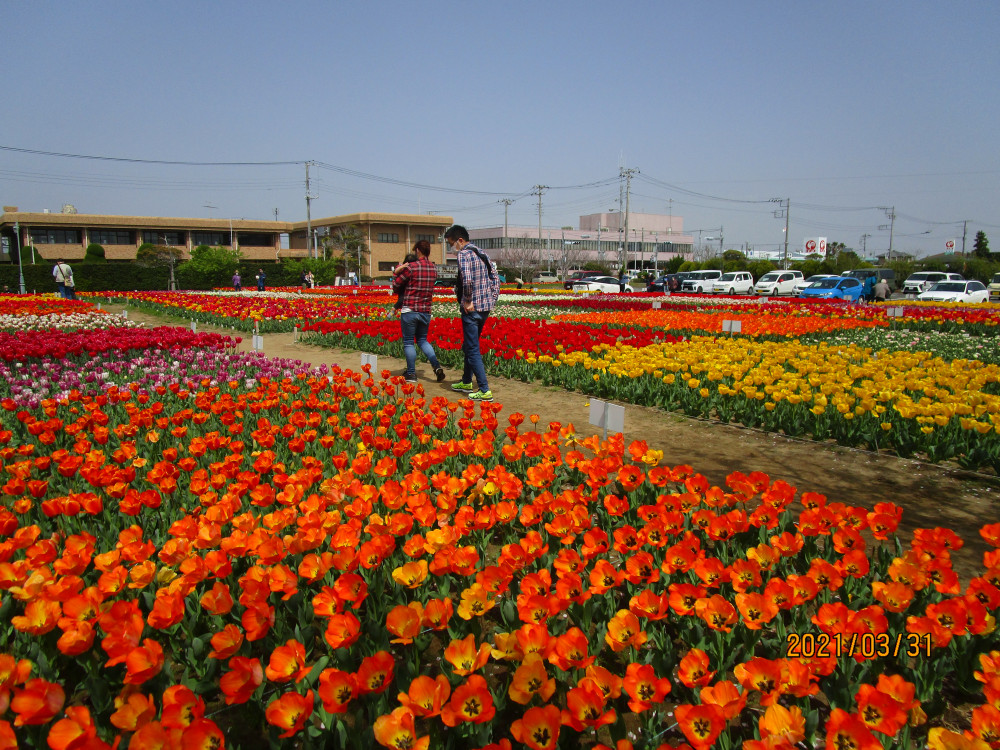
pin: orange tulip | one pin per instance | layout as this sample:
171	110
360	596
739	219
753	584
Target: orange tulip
570	651
202	734
38	702
757	609
404	621
763	675
342	630
242	680
644	687
77	730
143	662
375	673
287	663
585	707
397	730
693	669
786	723
538	728
133	711
531	679
411	574
726	696
336	690
464	657
879	711
847	730
716	612
427	695
181	707
437	613
226	642
290	712
470	702
700	724
624	631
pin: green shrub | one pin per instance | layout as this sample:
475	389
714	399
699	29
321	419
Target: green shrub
94	254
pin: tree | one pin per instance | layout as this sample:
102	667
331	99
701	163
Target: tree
209	267
347	244
153	256
981	245
523	260
846	261
94	254
834	248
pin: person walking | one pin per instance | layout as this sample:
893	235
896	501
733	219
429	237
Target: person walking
261	277
414	280
881	291
237	282
477	291
61	272
622	281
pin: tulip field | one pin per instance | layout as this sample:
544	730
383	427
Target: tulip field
207	548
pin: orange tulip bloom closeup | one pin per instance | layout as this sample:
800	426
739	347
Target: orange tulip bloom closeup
426	695
693	671
844	730
538	728
242	680
464	657
337	689
38	702
624	631
470	702
287	663
643	687
290	712
531	679
700	724
398	730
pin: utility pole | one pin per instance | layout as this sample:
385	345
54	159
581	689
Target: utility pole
890	212
627	174
506	204
864	244
783	212
965	229
20	268
539	189
309	197
721	238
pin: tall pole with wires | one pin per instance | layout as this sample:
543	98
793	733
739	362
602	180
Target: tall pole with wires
309	237
627	174
538	190
506	204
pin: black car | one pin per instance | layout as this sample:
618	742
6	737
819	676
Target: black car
445	281
663	284
578	276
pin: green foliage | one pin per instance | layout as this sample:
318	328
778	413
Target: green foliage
981	245
758	268
847	260
208	268
94	254
601	268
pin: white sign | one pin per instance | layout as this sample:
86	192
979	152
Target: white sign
194	327
257	342
657	305
894	312
732	326
815	245
607	416
810	246
949	246
369	359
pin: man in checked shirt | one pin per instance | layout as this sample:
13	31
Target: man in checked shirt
479	289
416	280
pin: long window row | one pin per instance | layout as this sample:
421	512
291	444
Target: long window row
50	236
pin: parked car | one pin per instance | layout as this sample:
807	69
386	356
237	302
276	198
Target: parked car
700	282
835	287
734	282
957	291
545	277
776	283
599	284
803	283
924	280
577	276
869	277
994	287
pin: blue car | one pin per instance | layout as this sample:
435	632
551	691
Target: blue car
834	287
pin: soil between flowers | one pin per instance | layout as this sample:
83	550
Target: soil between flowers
931	494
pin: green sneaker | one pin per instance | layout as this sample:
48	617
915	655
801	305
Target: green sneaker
463	387
481	396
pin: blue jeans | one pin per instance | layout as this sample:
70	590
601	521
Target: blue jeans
415	325
472	329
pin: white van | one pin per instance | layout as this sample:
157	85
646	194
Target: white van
734	282
924	280
700	282
776	283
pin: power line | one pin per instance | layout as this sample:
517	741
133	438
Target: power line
151	161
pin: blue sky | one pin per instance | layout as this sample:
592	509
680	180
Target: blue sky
839	107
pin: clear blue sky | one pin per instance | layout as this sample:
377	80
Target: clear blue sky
846	105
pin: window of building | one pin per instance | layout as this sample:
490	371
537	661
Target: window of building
213	239
384	265
256	239
429	237
388	236
163	238
111	236
45	236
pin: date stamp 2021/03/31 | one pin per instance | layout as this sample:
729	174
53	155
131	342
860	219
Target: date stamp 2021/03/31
861	645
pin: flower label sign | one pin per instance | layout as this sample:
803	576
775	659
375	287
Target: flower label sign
732	326
609	417
369	359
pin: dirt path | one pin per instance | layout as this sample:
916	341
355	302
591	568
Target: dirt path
932	495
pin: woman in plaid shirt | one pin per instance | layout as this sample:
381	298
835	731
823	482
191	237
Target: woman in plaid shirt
416	281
